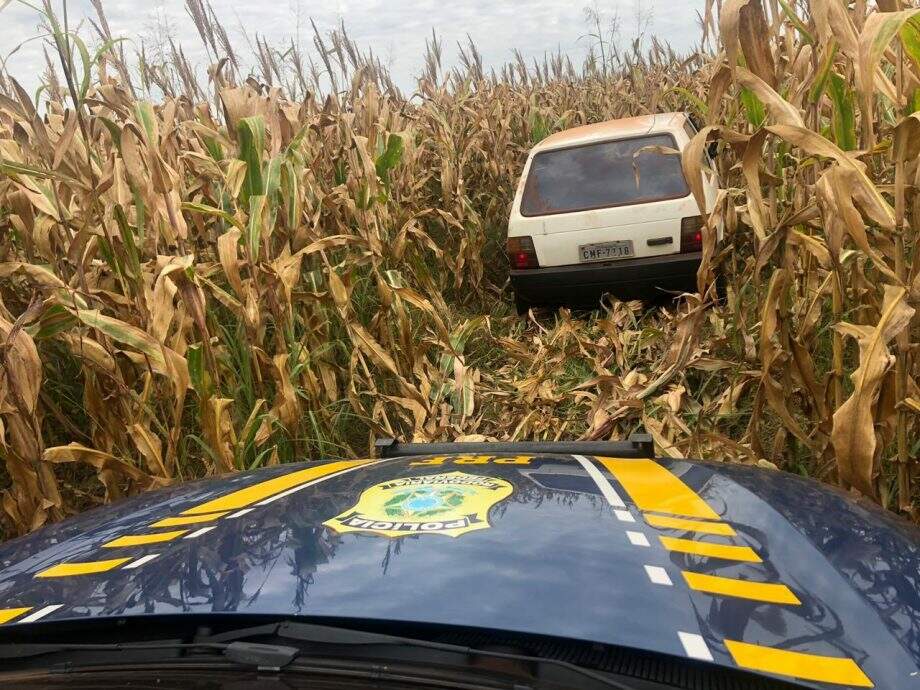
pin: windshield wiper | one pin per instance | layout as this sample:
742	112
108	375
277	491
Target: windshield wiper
267	657
275	657
333	635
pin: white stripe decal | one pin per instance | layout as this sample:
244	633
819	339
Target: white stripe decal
624	516
141	561
635	538
199	532
239	513
288	492
313	482
613	498
695	646
658	575
41	613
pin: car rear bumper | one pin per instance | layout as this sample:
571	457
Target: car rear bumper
627	279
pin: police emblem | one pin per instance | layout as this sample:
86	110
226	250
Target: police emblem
451	503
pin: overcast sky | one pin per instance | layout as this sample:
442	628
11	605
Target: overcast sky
396	31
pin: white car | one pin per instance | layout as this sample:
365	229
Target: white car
595	213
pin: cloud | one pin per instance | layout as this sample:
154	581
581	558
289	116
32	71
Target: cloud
395	31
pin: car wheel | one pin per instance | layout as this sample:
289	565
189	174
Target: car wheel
721	288
522	305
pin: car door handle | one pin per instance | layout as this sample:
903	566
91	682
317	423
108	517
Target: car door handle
658	241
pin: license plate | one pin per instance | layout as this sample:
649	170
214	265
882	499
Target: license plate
605	251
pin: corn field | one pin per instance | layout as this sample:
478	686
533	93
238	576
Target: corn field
200	275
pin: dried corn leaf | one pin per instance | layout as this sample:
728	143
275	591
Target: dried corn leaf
853	435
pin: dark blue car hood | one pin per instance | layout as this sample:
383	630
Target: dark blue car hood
744	567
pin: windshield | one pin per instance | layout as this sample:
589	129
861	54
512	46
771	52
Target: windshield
600	175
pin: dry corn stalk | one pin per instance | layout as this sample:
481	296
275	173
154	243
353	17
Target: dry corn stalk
250	271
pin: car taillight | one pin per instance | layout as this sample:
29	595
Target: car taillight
521	253
691	234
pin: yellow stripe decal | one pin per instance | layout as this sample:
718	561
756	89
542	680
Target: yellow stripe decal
758	591
824	669
7	615
68	569
705	548
257	492
664	522
188	520
142	539
652	487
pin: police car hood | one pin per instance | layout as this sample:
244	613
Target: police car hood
739	566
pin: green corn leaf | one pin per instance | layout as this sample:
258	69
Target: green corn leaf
910	39
273	177
539	127
248	435
47	202
390	157
195	207
143	110
38	93
114	130
127	238
140	211
393	278
315	280
8	167
341	171
692	98
290	193
55	319
214	148
87	65
364	197
824	71
254	229
111	258
196	370
753	108
251	132
272	187
260	458
106	47
797	22
843	124
203	447
292	147
913	103
124	333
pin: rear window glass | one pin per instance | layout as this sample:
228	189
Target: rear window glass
601	175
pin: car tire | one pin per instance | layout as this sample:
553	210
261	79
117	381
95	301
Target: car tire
721	288
522	305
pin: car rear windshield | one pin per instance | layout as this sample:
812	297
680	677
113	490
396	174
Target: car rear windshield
601	175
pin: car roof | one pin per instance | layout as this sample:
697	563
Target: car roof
749	569
611	129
